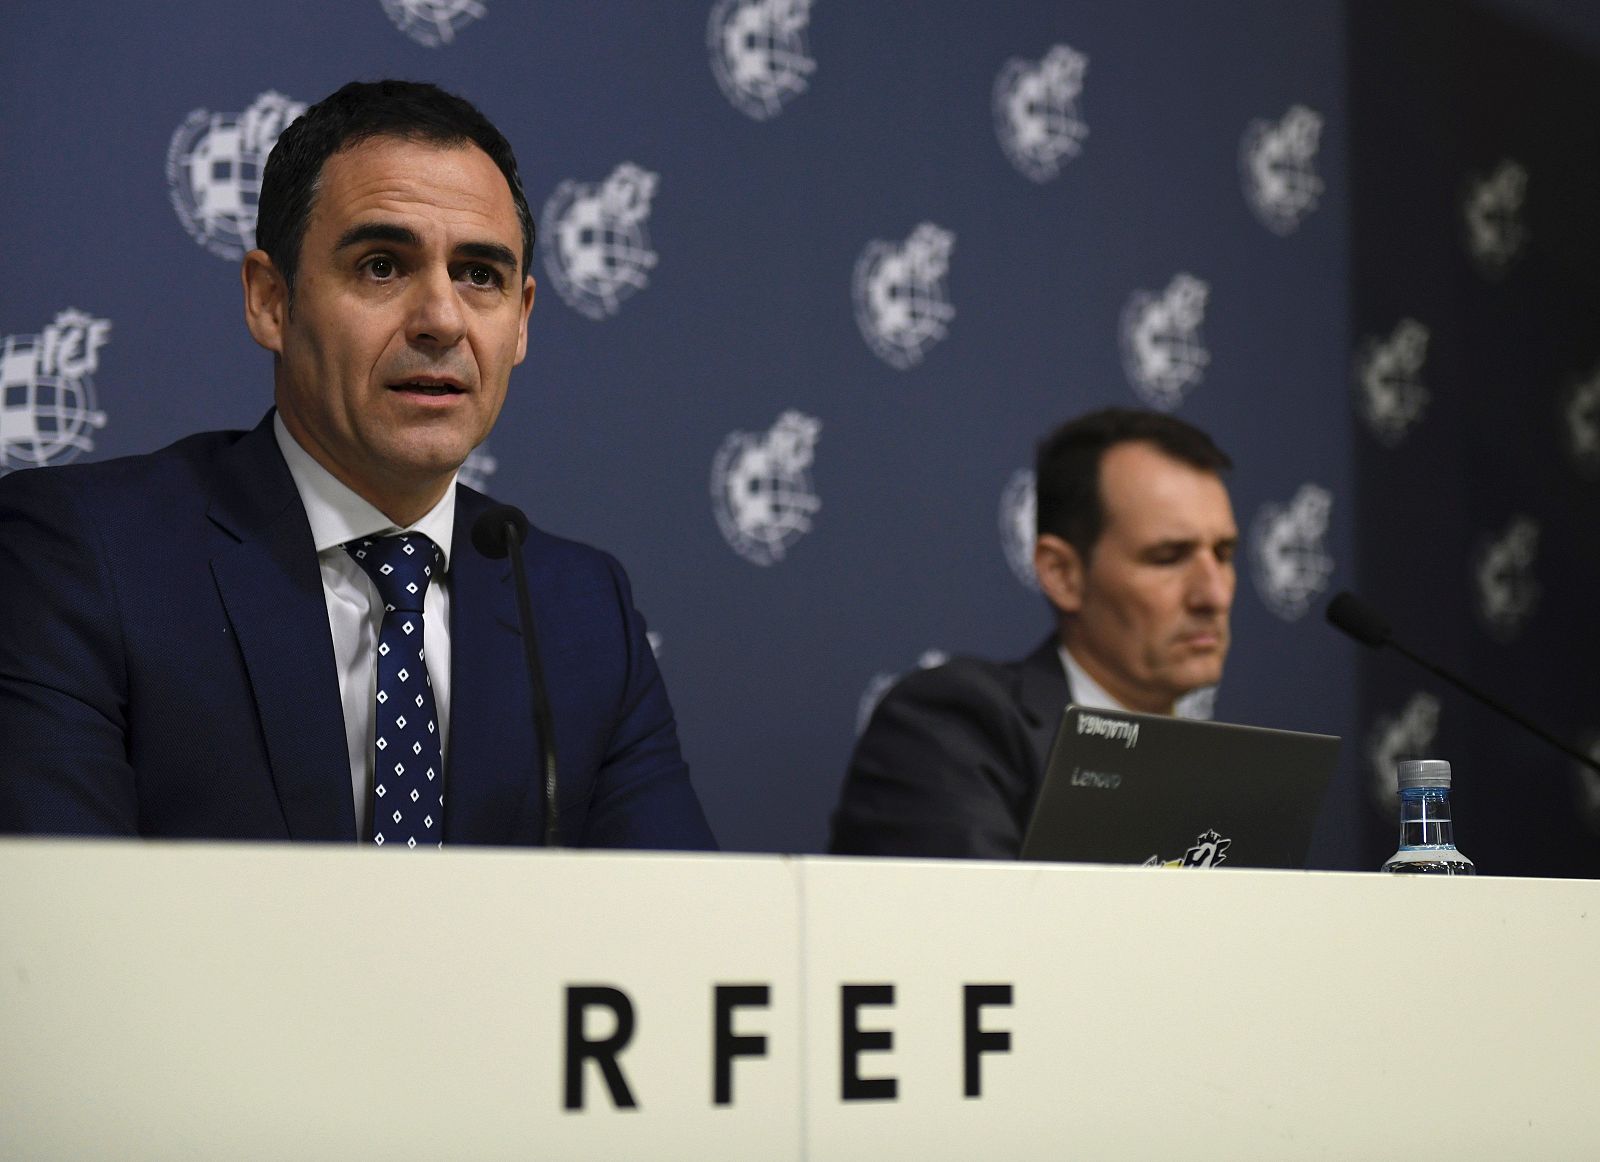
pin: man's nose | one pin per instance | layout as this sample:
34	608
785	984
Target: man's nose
1211	583
436	315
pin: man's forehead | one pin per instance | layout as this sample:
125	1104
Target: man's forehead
400	175
1148	494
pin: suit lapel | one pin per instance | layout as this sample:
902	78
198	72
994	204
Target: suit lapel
271	587
488	770
1042	693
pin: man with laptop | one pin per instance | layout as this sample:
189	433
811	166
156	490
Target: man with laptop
1135	549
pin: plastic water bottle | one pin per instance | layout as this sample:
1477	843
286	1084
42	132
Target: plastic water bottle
1427	839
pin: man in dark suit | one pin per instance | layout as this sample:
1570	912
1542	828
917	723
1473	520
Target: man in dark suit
1134	552
286	633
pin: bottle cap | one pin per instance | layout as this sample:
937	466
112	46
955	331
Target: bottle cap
1424	773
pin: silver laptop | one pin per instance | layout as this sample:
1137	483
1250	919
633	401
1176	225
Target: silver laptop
1175	792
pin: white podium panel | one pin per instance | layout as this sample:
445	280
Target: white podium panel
1222	1014
220	1002
168	1001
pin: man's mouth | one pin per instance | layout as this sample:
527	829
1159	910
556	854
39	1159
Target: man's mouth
434	387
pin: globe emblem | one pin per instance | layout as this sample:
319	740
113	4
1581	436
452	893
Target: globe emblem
758	53
1492	210
1508	592
594	242
1291	566
601	257
214	166
1390	395
1276	163
1162	352
45	418
1036	112
1580	413
1018	520
433	23
901	306
761	488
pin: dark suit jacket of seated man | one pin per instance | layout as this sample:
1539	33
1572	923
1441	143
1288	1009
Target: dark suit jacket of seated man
167	661
1135	549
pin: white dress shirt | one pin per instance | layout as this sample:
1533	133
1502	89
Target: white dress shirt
1086	692
355	614
1089	694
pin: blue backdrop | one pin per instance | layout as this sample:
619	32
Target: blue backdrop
815	277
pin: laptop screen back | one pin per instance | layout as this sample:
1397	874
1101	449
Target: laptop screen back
1149	789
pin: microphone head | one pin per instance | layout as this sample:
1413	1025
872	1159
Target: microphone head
1352	615
489	533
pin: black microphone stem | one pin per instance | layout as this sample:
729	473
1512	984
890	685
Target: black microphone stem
1587	760
541	698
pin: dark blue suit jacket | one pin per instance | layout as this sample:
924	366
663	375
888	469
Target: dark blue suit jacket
166	668
952	760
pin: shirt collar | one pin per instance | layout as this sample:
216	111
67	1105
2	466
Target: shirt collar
1086	692
337	514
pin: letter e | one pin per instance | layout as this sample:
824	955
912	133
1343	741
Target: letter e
854	1041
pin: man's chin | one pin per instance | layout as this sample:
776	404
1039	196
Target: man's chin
428	454
1199	672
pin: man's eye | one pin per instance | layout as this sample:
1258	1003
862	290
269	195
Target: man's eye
381	268
483	276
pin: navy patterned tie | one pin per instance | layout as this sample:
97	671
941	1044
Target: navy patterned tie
407	771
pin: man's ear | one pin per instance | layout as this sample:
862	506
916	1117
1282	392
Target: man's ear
522	327
266	300
1060	571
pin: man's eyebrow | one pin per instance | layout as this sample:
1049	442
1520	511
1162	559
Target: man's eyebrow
489	252
377	232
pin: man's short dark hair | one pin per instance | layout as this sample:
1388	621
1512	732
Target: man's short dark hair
1067	467
360	111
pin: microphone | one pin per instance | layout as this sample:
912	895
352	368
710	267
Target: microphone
1349	613
499	533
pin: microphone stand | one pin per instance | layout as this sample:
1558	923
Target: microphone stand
541	698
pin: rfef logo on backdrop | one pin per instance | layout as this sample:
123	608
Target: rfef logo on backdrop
761	490
883	681
1580	422
214	166
1019	507
1492	210
1162	351
1291	563
1406	735
596	249
759	54
901	304
1390	395
1508	592
1036	111
47	403
433	23
1277	160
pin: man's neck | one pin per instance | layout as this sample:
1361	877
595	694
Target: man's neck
405	504
1090	689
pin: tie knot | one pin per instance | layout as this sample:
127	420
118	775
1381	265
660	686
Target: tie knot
400	566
